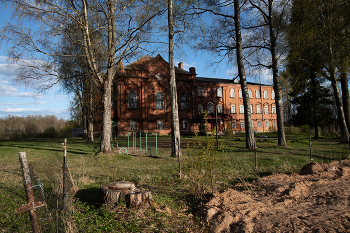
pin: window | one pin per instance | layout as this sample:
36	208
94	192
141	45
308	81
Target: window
265	95
250	94
200	91
184	101
219	92
132	125
210	107
233	126
200	108
219	108
272	95
267	124
273	110
184	124
132	99
242	124
159	125
159	100
258	109
240	93
251	109
241	109
257	94
259	124
233	108
266	109
232	93
274	124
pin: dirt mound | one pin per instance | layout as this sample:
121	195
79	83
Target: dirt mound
315	200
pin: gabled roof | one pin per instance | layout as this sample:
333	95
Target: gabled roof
140	64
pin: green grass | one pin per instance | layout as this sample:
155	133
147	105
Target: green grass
157	173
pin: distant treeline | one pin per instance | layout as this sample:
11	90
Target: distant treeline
33	126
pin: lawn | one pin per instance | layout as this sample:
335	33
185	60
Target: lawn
155	170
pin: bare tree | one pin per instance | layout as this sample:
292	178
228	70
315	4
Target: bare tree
122	25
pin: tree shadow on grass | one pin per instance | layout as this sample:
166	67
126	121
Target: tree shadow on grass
90	196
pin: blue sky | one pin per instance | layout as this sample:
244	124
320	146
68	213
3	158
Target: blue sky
17	100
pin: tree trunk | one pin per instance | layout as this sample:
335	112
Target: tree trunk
249	132
339	104
345	93
175	126
106	117
276	80
90	116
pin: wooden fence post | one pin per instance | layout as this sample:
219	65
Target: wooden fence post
29	191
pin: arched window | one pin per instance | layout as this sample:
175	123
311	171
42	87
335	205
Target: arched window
251	109
184	101
272	95
233	108
200	91
266	109
159	100
210	107
273	110
232	93
219	92
219	108
240	94
132	99
265	95
200	108
258	111
257	93
250	94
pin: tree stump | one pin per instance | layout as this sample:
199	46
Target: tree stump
113	193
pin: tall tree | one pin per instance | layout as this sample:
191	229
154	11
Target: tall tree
224	39
322	28
268	22
175	126
123	26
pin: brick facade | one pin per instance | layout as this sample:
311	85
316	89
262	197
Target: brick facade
141	96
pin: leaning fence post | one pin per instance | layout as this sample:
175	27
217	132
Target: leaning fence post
64	173
29	192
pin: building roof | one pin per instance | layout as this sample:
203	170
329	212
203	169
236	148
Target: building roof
217	80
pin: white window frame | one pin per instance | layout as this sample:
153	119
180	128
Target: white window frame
259	124
267	124
272	95
233	108
273	110
266	109
233	125
257	94
251	109
210	108
184	124
219	108
240	94
219	92
242	125
232	93
258	109
159	100
266	95
274	124
241	109
250	95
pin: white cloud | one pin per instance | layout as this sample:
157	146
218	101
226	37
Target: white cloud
60	113
7	90
30	103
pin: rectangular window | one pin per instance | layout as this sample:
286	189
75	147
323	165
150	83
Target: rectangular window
267	124
242	124
233	125
274	109
251	109
219	92
266	109
274	123
159	125
200	91
240	94
220	108
258	109
259	124
133	125
184	124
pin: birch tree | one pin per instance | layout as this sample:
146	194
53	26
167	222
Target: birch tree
123	26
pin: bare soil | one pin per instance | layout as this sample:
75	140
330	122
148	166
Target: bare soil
314	200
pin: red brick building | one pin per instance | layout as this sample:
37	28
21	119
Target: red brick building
142	100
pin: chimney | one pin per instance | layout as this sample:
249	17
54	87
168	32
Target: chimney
192	70
181	65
